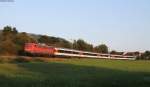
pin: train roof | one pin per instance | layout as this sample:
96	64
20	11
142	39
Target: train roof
65	49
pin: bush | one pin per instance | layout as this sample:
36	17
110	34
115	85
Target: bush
145	56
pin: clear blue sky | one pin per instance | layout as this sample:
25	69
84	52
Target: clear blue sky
123	25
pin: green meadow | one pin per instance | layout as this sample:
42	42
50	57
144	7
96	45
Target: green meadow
76	73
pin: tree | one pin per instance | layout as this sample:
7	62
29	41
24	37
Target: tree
82	45
20	41
7	29
22	38
7	47
113	52
74	45
7	33
54	41
89	47
116	53
64	43
101	48
145	55
7	37
15	31
43	39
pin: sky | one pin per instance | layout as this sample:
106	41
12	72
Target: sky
123	25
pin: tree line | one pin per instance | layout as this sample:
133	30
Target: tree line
12	42
144	56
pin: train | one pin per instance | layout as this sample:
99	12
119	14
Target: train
43	49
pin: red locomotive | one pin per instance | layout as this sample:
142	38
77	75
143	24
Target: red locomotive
34	48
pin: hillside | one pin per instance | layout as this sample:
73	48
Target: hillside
11	39
12	43
55	40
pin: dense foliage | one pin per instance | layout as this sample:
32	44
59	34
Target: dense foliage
145	55
101	48
12	42
82	45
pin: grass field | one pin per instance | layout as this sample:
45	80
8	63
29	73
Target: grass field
76	73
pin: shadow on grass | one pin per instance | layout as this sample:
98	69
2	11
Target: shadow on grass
69	75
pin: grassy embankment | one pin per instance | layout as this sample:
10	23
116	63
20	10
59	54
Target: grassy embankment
76	73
